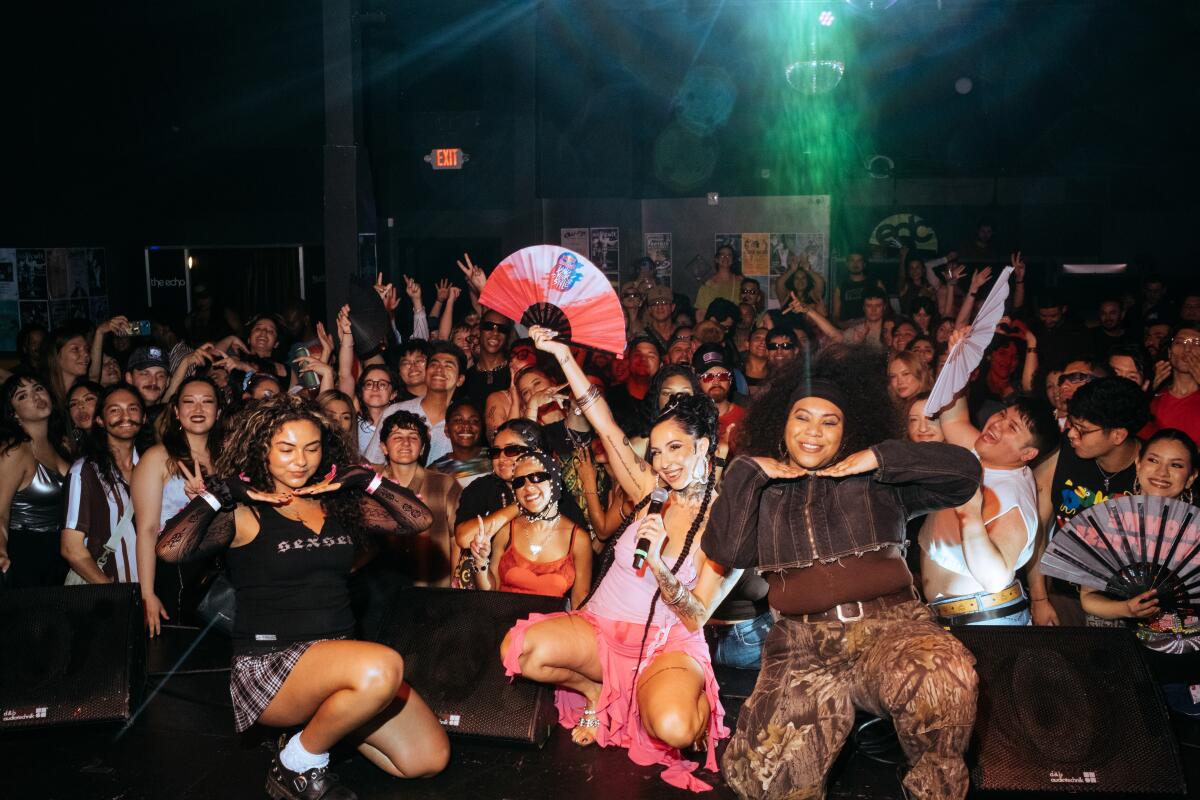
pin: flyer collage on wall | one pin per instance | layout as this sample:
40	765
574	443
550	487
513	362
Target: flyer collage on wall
50	286
763	256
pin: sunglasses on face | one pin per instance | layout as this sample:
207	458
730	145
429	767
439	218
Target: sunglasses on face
1190	341
780	346
1075	377
534	477
498	327
660	302
713	377
509	450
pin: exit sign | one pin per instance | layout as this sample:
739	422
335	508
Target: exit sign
447	158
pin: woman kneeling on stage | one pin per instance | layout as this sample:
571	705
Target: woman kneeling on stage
817	503
632	665
289	518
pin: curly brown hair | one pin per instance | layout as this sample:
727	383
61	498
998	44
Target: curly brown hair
858	371
248	442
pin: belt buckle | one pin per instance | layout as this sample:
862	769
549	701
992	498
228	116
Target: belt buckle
838	610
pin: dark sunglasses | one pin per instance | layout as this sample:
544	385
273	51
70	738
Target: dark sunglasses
1075	377
510	450
713	377
780	345
498	327
533	477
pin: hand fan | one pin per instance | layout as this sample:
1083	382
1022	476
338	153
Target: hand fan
967	354
561	290
1129	545
369	319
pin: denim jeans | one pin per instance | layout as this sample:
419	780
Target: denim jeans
740	644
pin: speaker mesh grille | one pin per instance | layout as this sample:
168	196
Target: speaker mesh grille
1068	709
70	654
450	640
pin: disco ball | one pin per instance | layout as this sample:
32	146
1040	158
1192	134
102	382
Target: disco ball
815	76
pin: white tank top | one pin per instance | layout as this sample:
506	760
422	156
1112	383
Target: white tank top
941	538
173	500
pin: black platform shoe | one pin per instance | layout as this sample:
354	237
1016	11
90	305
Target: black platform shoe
313	784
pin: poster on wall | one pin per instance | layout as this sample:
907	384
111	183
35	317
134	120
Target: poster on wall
10	323
57	273
658	250
98	308
35	312
809	246
574	239
77	272
605	252
8	274
31	274
95	265
756	254
60	313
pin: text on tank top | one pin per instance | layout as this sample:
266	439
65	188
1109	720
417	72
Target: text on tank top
291	583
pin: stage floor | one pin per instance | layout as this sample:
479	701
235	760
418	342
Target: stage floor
182	747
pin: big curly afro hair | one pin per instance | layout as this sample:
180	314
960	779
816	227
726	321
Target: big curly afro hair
860	373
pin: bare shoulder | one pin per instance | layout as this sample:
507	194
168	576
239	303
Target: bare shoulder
246	525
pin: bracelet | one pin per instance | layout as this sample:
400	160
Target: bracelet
589	398
1018	282
1038	599
1030	349
212	500
719	462
374	484
677	598
481	567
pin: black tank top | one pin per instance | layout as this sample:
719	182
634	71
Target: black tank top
291	584
852	299
1079	484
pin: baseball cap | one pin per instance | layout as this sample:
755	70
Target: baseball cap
148	357
708	356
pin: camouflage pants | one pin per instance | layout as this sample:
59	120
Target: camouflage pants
898	664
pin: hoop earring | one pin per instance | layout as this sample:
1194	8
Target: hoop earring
700	471
1137	485
1187	496
781	448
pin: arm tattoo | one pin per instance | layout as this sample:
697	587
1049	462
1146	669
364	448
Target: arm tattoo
689	609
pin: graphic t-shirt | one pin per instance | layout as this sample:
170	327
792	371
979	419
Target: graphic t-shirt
1079	483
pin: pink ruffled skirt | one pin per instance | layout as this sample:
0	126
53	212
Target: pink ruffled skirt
620	721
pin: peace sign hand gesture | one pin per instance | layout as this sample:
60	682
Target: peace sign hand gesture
474	275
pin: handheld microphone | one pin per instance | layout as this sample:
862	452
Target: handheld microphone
658	499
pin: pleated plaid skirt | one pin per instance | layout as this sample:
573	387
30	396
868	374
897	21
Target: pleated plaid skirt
254	680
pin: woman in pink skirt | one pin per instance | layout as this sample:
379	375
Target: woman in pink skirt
632	666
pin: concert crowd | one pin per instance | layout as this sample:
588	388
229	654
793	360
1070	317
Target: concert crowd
759	481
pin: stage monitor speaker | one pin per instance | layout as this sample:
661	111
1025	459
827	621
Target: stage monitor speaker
450	640
70	654
1068	710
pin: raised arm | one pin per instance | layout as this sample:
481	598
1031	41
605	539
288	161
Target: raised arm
103	329
1018	294
634	474
345	380
387	507
420	329
446	321
978	278
827	328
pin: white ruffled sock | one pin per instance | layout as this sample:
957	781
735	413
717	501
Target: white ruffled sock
297	759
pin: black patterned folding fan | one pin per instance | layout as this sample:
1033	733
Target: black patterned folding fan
1130	545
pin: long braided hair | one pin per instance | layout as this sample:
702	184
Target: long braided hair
696	414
